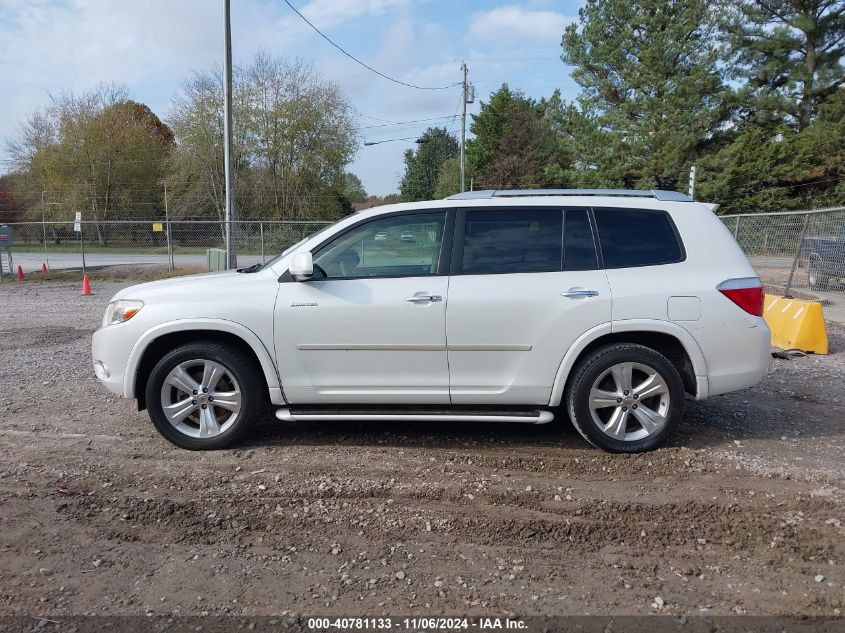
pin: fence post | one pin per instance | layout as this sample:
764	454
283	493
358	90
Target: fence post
787	293
167	228
44	237
261	232
736	229
82	244
169	246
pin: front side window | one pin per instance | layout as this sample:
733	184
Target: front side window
406	245
637	237
512	241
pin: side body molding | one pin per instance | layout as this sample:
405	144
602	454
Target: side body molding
632	325
271	372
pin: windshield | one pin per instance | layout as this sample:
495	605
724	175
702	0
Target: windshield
291	249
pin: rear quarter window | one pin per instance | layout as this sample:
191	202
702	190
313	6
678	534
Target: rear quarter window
637	237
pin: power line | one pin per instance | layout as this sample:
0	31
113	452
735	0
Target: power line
455	116
458	61
390	140
358	61
437	118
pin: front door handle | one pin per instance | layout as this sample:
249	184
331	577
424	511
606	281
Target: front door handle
424	298
574	293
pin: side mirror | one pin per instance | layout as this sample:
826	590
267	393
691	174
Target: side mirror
302	266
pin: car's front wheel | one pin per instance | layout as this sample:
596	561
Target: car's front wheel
625	398
204	395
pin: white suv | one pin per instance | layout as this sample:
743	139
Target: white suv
512	306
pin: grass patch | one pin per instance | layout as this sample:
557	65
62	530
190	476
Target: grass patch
94	249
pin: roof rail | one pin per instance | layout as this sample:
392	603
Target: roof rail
670	196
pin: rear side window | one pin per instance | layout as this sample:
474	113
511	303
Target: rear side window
579	249
637	237
512	241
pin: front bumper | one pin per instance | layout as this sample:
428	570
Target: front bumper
110	352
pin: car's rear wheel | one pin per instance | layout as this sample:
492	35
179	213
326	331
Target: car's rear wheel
625	398
816	278
204	395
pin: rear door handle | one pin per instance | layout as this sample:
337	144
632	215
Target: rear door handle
424	298
574	293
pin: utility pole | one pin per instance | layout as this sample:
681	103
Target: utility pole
692	182
463	126
231	255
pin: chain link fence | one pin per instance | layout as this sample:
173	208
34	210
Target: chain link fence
797	254
175	245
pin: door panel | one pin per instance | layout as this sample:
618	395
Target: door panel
360	340
526	286
371	326
507	334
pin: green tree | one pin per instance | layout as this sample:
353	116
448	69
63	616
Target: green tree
354	188
293	138
652	90
98	152
790	54
516	143
768	169
449	178
422	167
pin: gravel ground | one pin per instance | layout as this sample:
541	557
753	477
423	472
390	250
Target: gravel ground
741	514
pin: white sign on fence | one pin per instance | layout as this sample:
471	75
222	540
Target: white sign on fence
77	223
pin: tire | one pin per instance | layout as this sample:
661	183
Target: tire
634	425
204	420
816	279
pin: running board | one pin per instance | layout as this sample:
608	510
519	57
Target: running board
386	415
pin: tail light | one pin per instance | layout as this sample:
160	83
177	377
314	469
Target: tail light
747	293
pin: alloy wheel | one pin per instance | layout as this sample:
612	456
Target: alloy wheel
629	401
201	398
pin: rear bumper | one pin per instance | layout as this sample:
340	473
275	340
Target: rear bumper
737	354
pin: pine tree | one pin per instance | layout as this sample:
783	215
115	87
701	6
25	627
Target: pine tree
789	52
653	94
515	144
422	168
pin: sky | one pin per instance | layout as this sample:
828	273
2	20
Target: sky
151	46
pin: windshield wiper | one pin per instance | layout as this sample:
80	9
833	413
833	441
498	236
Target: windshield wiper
250	269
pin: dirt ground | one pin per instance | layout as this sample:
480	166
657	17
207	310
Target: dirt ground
743	512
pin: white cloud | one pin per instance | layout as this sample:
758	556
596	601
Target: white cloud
49	46
410	50
513	23
53	45
329	13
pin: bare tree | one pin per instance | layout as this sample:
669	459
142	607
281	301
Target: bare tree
294	135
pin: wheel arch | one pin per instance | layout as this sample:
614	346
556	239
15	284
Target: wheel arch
157	341
668	338
815	257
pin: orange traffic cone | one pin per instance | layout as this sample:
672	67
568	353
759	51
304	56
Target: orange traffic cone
43	267
20	273
86	285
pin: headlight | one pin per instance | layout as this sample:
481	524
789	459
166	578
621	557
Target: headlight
121	311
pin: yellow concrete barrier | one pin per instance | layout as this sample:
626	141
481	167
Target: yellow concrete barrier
796	324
